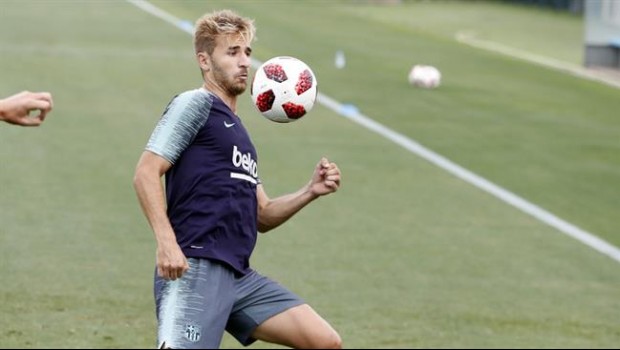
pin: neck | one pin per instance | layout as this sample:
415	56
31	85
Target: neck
230	101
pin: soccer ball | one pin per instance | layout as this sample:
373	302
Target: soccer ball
424	76
284	89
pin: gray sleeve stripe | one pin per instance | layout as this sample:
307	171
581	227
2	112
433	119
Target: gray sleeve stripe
179	125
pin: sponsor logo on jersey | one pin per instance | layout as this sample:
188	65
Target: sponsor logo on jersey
245	162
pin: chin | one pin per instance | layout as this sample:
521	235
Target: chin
238	89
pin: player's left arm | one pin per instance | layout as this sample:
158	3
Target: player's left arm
274	212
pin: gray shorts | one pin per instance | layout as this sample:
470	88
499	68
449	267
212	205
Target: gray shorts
194	311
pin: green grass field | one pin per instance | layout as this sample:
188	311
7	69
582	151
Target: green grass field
405	255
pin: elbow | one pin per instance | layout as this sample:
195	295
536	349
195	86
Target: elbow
266	221
261	225
139	177
263	228
265	224
136	180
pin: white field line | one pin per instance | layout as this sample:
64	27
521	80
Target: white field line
352	114
572	69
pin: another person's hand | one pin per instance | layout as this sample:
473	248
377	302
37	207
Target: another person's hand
16	109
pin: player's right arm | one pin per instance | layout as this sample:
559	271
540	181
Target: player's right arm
182	119
171	262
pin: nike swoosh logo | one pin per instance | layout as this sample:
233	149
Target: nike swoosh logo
228	125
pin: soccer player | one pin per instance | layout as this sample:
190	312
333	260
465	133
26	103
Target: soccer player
206	220
16	109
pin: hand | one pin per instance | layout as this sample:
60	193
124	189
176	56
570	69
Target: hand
16	109
326	178
171	262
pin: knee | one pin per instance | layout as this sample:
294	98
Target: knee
331	341
336	343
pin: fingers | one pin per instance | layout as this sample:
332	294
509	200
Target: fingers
172	272
328	168
30	121
35	100
332	181
45	96
17	109
330	173
324	165
41	104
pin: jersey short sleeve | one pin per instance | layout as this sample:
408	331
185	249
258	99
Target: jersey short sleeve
179	124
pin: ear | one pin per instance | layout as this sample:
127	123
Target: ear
204	61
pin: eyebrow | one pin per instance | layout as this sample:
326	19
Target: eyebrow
237	47
248	49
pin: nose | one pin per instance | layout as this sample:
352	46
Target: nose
245	61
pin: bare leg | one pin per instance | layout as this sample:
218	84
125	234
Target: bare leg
299	327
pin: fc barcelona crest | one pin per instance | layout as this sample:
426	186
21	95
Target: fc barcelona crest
192	333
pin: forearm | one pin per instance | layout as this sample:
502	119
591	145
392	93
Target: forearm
150	193
278	210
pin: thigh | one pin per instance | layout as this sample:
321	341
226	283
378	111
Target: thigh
192	311
258	298
299	327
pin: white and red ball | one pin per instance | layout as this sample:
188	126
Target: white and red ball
424	76
284	89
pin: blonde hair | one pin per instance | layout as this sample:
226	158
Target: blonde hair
224	22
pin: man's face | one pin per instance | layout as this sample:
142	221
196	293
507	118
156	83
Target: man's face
230	64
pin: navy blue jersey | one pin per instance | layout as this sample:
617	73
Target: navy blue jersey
211	186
